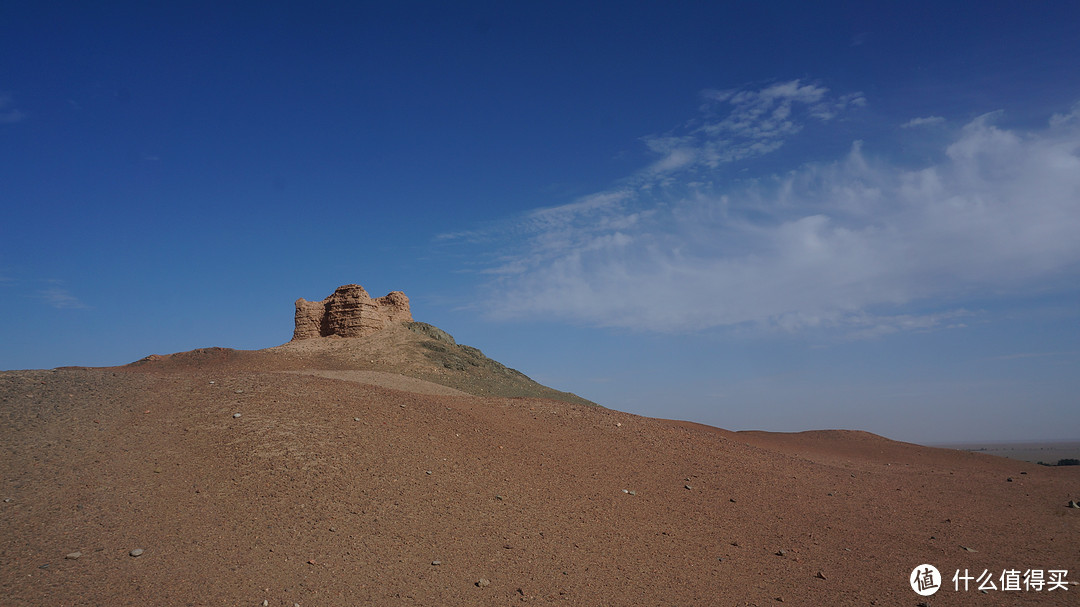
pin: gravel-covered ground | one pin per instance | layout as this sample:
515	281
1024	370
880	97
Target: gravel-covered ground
330	491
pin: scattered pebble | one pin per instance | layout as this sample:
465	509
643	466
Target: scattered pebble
73	555
1072	504
969	549
632	492
436	563
781	552
265	603
483	583
239	391
618	424
235	415
356	419
499	497
136	552
688	487
427	471
1009	480
7	500
821	576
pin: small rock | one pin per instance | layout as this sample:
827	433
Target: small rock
688	487
1009	480
618	424
821	576
628	491
781	552
969	549
483	583
235	415
732	500
402	406
1072	504
136	552
239	391
73	555
265	603
7	500
499	497
333	530
427	471
632	492
356	419
436	563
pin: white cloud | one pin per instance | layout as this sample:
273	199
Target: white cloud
739	124
61	299
8	112
927	121
858	244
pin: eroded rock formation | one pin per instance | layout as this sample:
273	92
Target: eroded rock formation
349	312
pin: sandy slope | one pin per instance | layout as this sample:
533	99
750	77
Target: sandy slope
297	502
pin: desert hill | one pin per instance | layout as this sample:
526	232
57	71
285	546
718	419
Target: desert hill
351	336
298	476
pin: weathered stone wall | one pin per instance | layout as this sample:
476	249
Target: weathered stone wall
349	312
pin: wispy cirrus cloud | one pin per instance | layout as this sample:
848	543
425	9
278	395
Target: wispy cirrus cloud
8	112
857	244
60	298
925	121
740	124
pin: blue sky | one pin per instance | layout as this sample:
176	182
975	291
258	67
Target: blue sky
779	216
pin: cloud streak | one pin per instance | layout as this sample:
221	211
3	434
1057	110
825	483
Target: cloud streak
9	114
923	122
858	244
61	299
740	124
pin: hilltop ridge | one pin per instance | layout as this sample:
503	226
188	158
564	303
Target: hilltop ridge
373	339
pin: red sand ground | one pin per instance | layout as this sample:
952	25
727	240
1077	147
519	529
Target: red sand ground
295	502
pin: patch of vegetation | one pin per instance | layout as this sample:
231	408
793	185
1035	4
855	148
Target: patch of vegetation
1068	461
431	331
